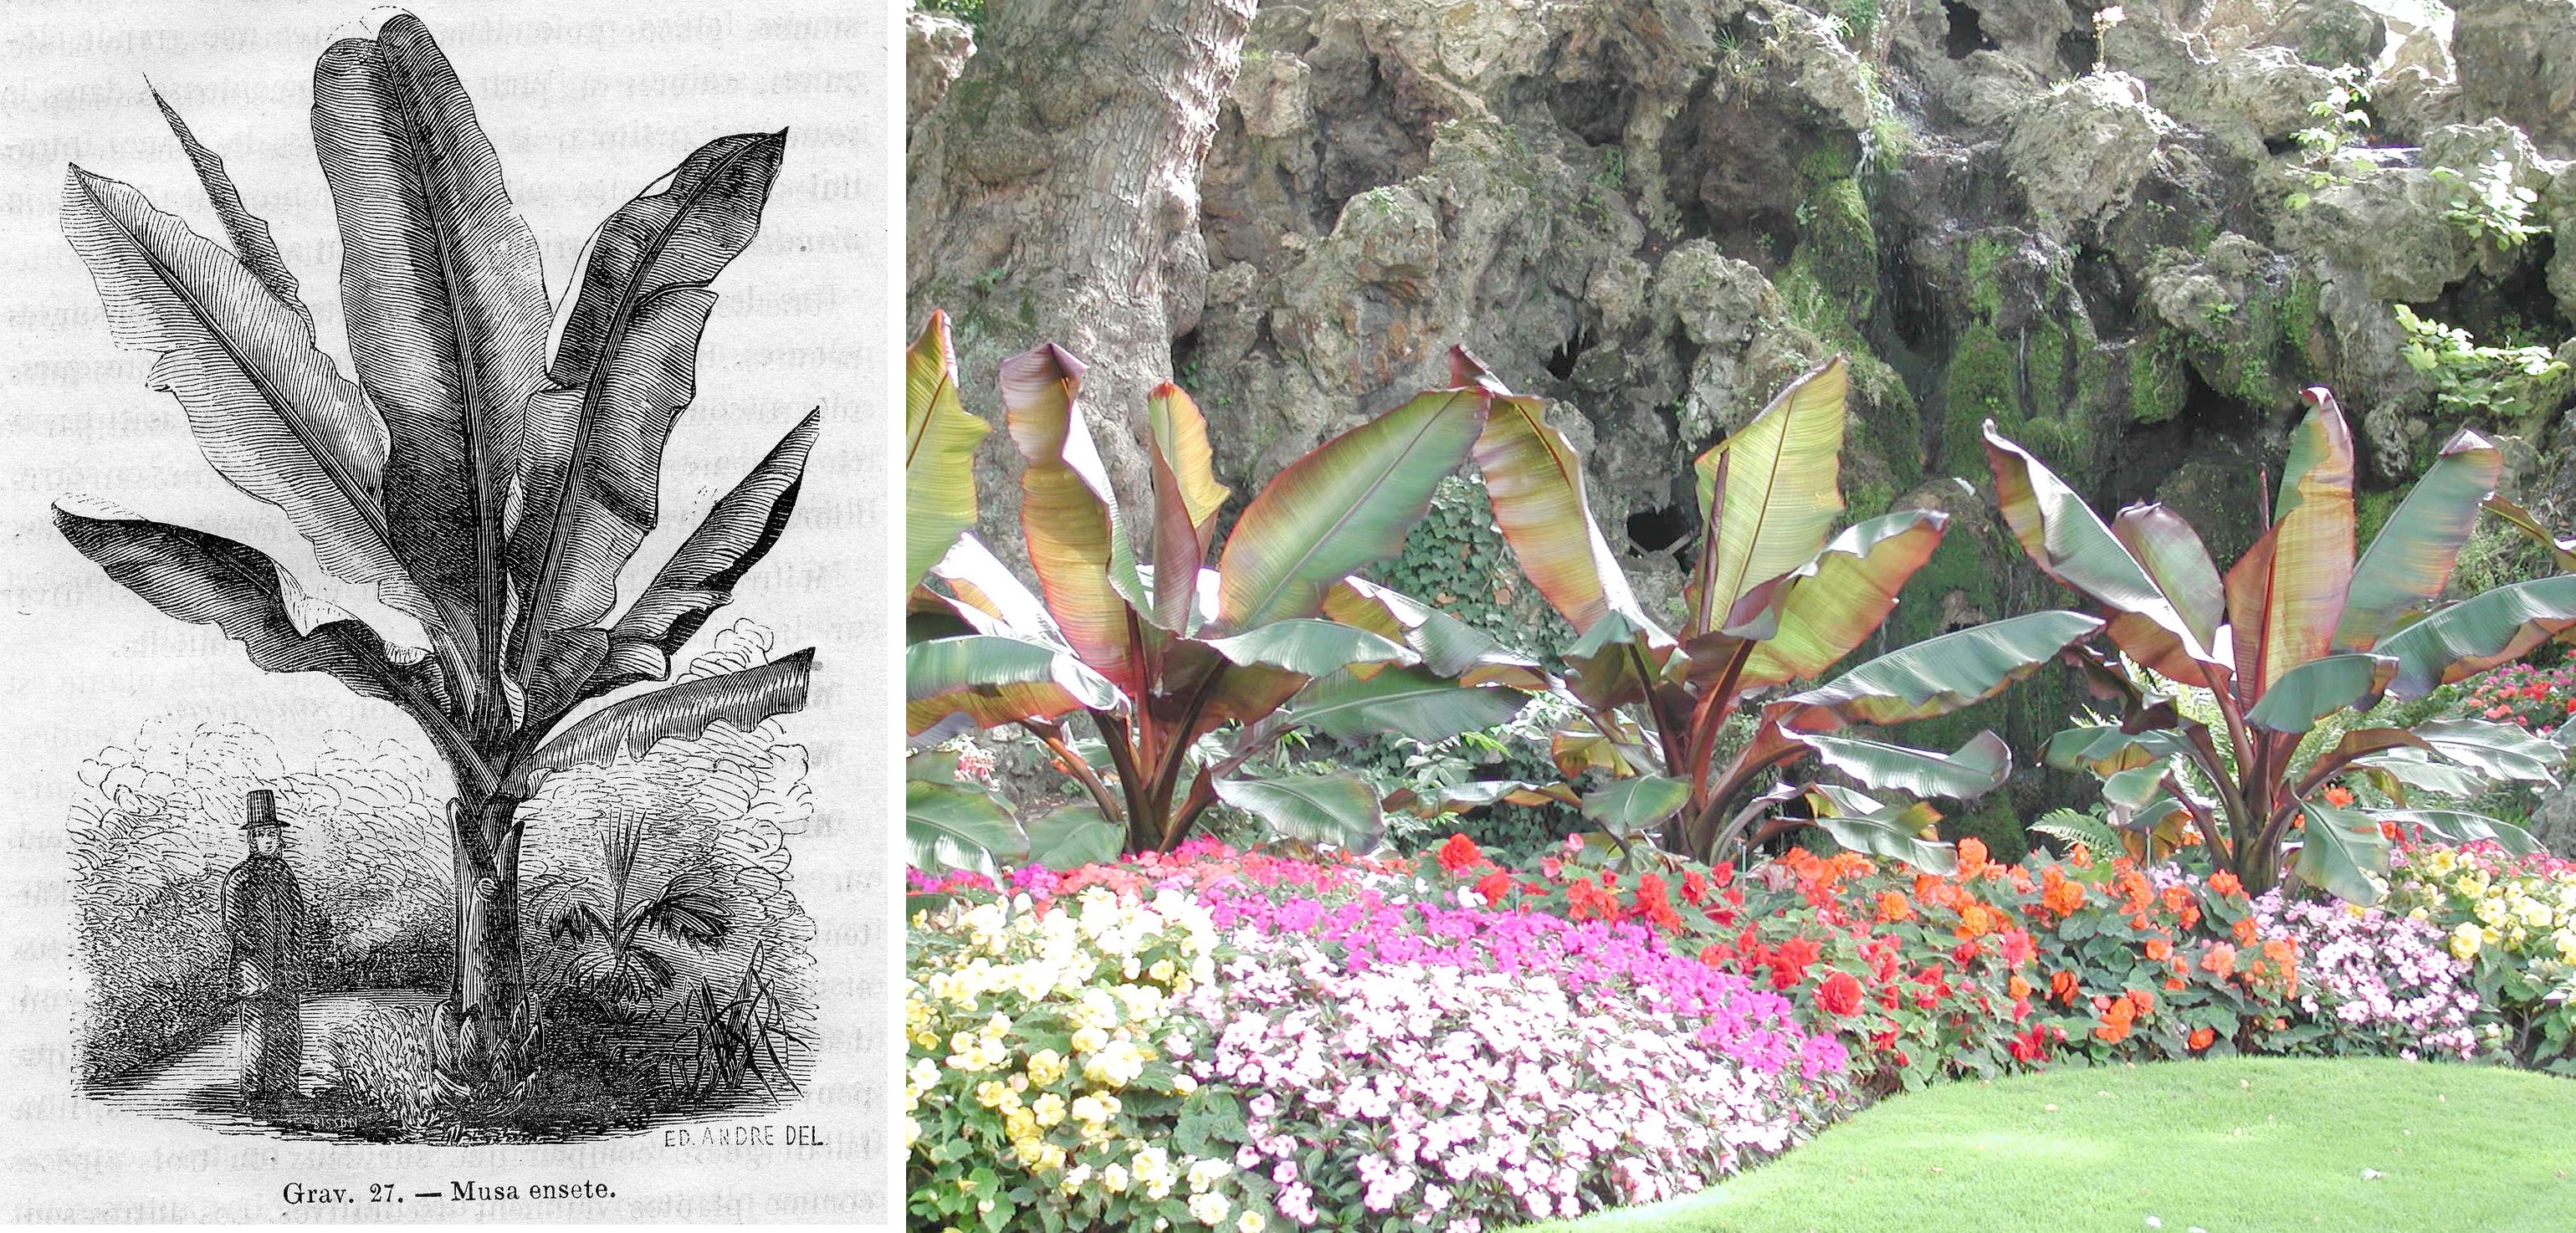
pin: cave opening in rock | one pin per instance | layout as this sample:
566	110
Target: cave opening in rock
1560	364
1662	529
1185	369
1966	35
2212	434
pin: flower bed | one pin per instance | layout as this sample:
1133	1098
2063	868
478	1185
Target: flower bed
1211	1038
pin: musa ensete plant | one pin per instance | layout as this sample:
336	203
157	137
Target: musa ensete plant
1776	597
473	496
2297	631
1158	649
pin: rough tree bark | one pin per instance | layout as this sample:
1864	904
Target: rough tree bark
1054	197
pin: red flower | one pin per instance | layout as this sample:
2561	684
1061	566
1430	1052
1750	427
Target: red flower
1494	886
2200	1038
1458	852
1789	962
2339	796
1840	994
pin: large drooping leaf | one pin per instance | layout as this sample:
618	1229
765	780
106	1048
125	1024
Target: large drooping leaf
272	414
1339	809
1769	493
1073	836
2104	749
2343	853
2167	548
1448	646
700	576
2503	751
939	450
949	827
1069	515
1348	503
1895	832
988	595
625	366
1627	806
1432	800
1839	599
1971	771
1603	665
1938	675
446	305
2410	560
1534	481
998	679
2322	687
2063	536
2286	594
2457	826
2562	552
1186	500
2469	637
210	580
631	727
1412	701
252	241
1311	647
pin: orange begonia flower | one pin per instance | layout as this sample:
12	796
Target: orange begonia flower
2219	960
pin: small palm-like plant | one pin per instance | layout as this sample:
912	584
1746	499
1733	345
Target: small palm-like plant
484	493
2297	631
621	946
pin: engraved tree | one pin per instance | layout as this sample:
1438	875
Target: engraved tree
481	495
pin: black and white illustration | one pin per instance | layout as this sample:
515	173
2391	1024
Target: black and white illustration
565	906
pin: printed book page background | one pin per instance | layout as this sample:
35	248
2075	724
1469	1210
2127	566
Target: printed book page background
586	105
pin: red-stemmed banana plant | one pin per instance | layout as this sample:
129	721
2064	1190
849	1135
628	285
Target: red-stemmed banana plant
1156	648
1776	597
483	493
2296	631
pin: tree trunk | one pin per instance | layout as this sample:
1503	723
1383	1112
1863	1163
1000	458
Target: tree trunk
490	971
1054	197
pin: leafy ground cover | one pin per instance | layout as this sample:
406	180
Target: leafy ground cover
2221	1145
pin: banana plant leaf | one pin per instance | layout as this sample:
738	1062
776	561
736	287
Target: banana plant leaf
1974	769
2457	826
1631	806
1895	832
1311	646
1431	802
2175	559
631	726
1838	599
2410	560
2285	596
1345	505
2068	542
1338	809
1186	500
2500	750
1938	675
2322	687
2562	552
1448	646
2396	772
949	827
2104	749
1769	493
2469	637
1534	482
2343	853
1069	516
939	451
1415	702
1074	836
998	680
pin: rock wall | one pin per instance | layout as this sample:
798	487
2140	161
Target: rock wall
2129	236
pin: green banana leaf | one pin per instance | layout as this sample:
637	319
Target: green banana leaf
1338	809
1971	771
1628	806
1838	599
1894	832
1069	515
2410	560
939	451
1769	493
1938	675
2322	687
2286	594
1412	701
1311	646
1186	500
1348	503
2469	637
949	827
1073	836
2343	853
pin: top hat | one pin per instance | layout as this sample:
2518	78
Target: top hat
262	811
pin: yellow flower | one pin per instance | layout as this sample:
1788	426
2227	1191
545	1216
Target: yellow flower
989	1093
1075	1178
1019	1124
1250	1222
1047	1109
2464	940
1209	1209
1089	1040
1114	1178
1114	1065
1046	1067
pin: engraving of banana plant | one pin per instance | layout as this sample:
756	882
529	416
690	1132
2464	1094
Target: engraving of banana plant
484	491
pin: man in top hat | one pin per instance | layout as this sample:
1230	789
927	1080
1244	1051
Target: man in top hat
264	918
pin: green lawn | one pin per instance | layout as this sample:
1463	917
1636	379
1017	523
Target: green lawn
2235	1146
